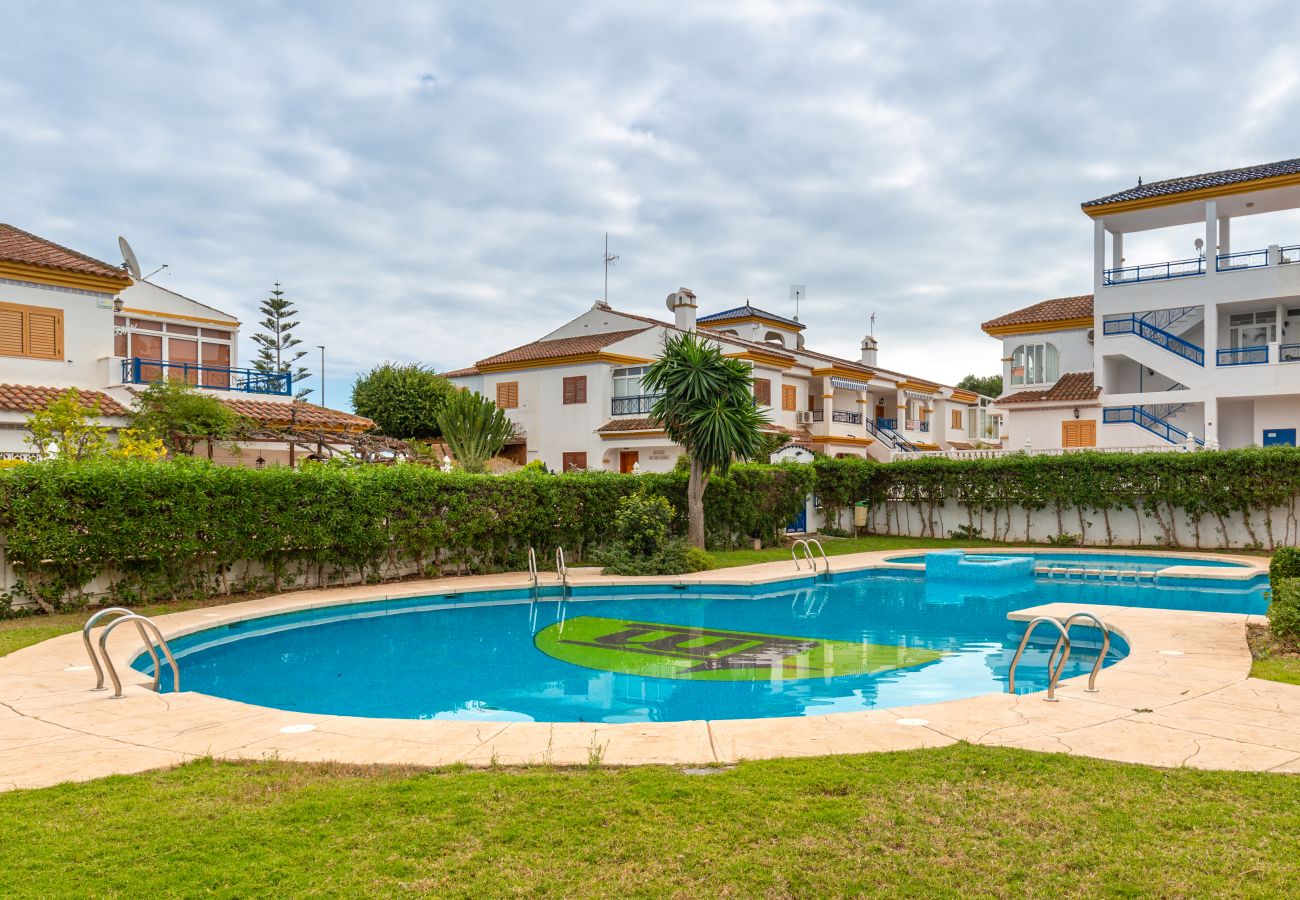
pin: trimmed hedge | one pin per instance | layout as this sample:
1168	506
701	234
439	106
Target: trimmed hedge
189	528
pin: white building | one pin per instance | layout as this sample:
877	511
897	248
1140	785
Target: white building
1162	353
68	320
577	402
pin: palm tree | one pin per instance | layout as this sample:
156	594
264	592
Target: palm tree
474	428
707	406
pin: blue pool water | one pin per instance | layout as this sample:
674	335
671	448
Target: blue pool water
476	657
1126	562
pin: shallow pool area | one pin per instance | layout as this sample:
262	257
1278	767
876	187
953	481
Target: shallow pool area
1114	560
865	640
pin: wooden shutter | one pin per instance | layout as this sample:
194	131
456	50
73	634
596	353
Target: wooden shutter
789	397
12	327
956	419
1081	433
575	389
508	395
573	462
763	391
31	331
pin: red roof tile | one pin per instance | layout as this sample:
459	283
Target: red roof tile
29	398
1071	386
303	415
1046	311
628	423
559	348
20	246
460	373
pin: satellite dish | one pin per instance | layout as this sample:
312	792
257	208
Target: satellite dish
1200	244
671	302
128	256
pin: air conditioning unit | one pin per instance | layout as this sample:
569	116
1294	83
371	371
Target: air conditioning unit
804	417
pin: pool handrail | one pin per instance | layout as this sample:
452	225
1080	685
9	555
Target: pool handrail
1052	674
1101	655
90	648
142	622
532	572
826	562
562	569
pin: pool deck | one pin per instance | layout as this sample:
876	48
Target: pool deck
1182	697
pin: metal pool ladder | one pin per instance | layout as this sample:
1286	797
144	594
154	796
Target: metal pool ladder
144	625
562	569
808	544
532	573
1063	646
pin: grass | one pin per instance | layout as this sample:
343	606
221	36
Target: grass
959	821
1274	658
27	630
840	546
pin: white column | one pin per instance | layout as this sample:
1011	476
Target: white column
1212	422
1098	255
1117	249
1225	235
1211	238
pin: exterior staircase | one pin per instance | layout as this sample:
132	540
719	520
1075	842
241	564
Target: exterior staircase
1142	417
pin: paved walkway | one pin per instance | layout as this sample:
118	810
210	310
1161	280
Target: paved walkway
1181	697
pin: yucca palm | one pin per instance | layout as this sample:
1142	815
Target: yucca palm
707	406
474	428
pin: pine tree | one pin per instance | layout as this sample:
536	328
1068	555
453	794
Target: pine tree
277	355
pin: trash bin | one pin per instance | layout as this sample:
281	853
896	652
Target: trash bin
860	510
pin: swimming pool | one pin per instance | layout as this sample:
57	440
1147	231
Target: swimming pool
872	639
1124	562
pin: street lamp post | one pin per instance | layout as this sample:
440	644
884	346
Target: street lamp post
322	373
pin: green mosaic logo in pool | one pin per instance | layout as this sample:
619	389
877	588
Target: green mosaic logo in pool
658	650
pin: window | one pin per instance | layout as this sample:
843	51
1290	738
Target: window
508	395
763	391
1079	433
179	346
627	381
774	337
35	332
575	389
789	397
573	462
956	419
1252	329
1035	364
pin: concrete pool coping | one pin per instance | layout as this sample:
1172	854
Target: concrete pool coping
1183	696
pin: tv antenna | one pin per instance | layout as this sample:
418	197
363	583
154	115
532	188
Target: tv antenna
797	292
128	257
609	260
872	332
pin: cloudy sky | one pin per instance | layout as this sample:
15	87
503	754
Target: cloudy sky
432	182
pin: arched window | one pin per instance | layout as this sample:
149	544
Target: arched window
1035	364
774	337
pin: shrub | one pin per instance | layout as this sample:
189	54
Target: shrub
1284	610
403	400
642	523
698	560
1284	564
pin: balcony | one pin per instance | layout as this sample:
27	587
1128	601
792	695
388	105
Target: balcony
890	424
1243	356
1183	268
632	406
218	378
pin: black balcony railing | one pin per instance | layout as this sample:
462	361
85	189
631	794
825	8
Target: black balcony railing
848	418
632	406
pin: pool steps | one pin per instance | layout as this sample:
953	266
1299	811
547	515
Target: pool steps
144	625
808	544
1061	646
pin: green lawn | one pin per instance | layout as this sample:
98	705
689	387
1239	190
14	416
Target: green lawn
840	546
960	821
1275	659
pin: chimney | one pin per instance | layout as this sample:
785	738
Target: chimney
869	351
682	303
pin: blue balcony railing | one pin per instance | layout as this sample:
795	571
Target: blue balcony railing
1243	356
1178	268
1289	254
218	378
1158	336
632	406
1288	353
891	424
1250	259
1143	418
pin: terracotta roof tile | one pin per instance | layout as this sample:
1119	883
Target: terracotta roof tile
559	348
460	373
1187	183
628	423
20	246
1070	386
29	398
306	415
1046	311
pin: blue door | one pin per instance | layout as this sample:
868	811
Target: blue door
800	523
1279	437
